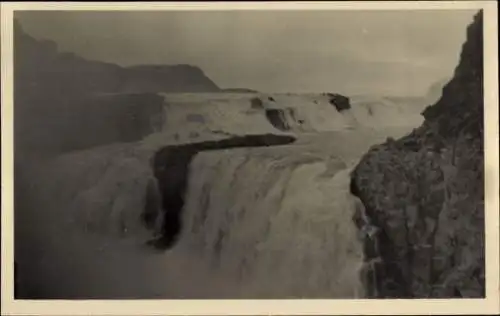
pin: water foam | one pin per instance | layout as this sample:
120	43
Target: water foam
280	224
304	113
276	221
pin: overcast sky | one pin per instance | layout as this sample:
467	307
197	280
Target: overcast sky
352	52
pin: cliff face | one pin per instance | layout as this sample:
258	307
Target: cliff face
65	102
424	195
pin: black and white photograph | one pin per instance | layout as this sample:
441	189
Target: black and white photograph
238	154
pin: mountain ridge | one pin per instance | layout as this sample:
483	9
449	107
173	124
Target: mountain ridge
41	60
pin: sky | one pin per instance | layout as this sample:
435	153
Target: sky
351	52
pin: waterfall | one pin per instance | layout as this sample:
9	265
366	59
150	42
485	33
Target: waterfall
279	224
257	222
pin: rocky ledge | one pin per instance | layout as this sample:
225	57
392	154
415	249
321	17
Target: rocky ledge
424	195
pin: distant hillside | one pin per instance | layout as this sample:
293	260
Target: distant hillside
161	78
40	62
65	102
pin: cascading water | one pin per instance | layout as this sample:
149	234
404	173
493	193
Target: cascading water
258	222
303	113
279	222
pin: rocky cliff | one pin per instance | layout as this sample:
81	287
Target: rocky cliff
65	102
424	195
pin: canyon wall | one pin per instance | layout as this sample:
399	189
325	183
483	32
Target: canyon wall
65	102
424	194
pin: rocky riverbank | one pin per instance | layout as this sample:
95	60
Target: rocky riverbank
424	194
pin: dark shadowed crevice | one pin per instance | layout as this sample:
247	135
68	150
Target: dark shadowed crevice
256	103
171	168
340	102
277	118
383	277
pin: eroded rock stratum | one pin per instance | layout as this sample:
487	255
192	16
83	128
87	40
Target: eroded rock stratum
424	194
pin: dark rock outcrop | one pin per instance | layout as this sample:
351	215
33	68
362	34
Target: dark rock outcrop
340	102
424	194
277	118
282	119
171	165
256	103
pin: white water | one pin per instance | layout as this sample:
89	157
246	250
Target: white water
233	114
285	230
259	222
